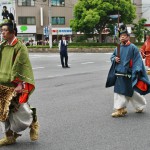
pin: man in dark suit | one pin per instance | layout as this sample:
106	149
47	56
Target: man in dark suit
63	43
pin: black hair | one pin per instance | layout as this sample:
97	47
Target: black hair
5	7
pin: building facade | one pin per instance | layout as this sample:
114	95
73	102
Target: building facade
35	18
138	4
142	11
145	12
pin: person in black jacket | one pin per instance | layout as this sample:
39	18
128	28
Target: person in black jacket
63	52
5	12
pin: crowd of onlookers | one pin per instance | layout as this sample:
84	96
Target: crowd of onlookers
34	43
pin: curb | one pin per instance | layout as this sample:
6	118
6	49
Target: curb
77	50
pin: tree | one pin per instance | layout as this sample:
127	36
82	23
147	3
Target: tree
139	29
94	15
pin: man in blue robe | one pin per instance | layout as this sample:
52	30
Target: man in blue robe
130	80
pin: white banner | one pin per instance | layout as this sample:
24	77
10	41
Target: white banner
26	29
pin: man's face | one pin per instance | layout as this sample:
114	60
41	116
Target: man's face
63	38
4	8
5	32
124	37
148	37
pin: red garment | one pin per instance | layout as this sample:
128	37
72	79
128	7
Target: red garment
131	63
128	43
24	97
27	88
141	85
145	52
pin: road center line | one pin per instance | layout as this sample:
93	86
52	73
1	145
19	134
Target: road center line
87	63
38	68
55	76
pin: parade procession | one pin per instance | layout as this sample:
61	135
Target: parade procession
75	74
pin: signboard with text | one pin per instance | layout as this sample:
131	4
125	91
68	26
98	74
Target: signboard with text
61	31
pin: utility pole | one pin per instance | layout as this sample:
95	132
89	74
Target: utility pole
50	25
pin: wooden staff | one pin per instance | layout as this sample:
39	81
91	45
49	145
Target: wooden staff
118	44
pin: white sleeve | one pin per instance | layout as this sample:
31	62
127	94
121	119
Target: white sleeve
59	45
66	43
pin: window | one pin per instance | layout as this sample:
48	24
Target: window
58	20
58	2
26	2
26	20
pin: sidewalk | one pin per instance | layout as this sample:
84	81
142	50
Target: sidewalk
76	50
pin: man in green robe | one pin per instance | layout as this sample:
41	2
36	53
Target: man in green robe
16	71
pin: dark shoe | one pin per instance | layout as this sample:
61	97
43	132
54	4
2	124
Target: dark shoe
67	67
16	135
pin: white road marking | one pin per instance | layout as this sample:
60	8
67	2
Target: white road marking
55	76
108	53
48	56
84	63
108	61
38	68
87	63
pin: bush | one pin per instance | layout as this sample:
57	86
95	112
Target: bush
81	38
83	44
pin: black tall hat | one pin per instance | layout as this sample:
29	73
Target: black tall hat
123	29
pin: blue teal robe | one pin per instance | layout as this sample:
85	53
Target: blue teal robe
129	54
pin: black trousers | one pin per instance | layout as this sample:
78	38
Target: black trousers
64	55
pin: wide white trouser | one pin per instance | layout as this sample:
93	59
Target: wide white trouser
18	121
138	101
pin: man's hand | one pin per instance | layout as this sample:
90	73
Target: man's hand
117	59
19	88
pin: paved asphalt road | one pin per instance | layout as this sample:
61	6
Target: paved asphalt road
74	108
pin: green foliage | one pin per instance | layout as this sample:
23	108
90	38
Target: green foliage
111	29
82	38
94	45
84	45
91	15
138	29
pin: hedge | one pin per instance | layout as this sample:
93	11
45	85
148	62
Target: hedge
84	45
